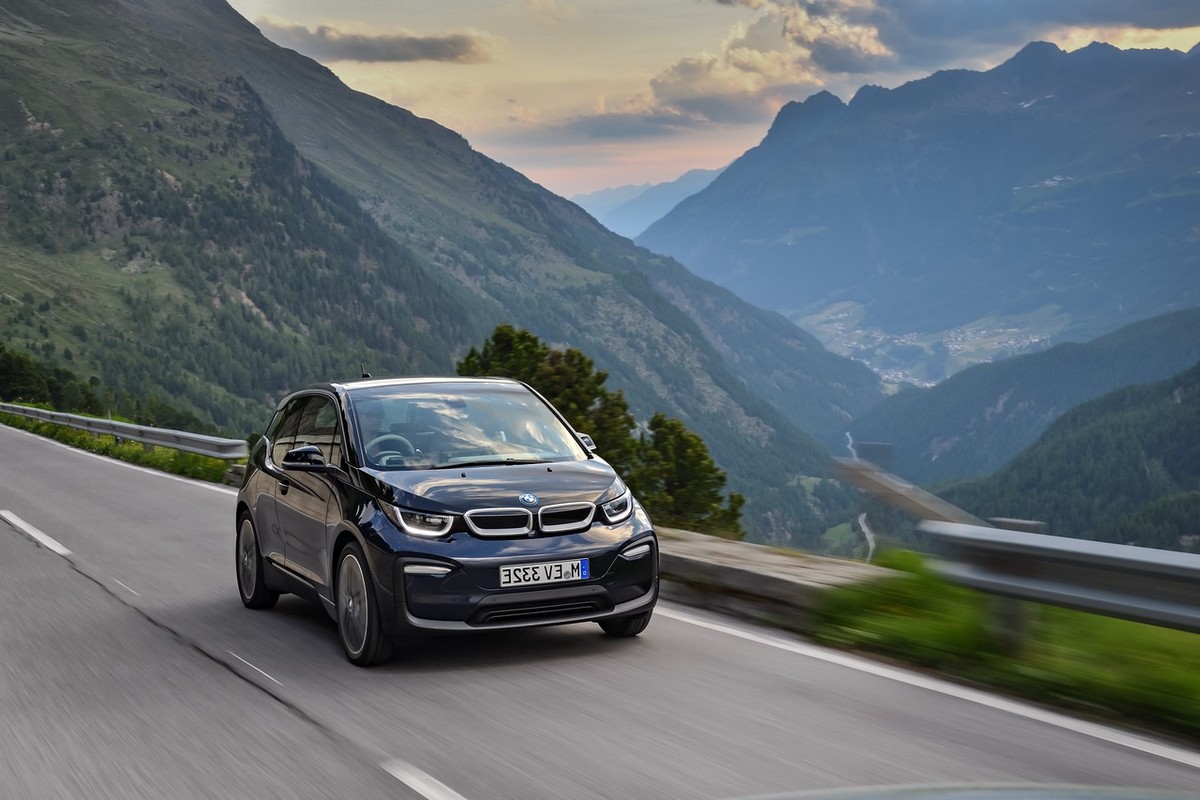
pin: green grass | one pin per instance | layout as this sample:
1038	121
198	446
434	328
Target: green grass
165	459
840	540
1104	667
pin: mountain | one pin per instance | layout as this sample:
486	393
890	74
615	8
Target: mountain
633	214
1124	468
967	215
976	421
193	212
603	201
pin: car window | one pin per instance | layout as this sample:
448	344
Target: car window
285	436
319	426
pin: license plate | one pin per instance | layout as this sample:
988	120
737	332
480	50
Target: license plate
552	572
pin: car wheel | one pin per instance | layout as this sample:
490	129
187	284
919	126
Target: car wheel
626	626
359	627
251	586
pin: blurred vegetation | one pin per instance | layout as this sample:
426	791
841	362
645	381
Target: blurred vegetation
1092	664
163	459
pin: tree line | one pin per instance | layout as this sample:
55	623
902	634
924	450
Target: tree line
24	379
667	466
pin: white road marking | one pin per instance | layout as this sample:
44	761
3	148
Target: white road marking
1090	729
126	588
420	782
251	666
33	533
216	487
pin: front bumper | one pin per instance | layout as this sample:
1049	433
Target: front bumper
469	597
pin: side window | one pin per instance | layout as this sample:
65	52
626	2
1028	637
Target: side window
285	435
319	426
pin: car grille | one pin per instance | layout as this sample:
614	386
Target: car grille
534	612
500	521
508	522
566	517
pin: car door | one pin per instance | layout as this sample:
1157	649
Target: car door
303	499
264	488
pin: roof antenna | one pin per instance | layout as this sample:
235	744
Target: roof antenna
363	368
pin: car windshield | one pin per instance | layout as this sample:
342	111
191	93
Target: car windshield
440	426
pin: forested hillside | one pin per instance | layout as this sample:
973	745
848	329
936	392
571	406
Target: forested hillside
193	253
1124	468
28	380
976	421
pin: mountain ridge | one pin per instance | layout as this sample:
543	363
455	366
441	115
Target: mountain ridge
639	206
1051	194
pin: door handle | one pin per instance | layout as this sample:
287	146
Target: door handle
284	486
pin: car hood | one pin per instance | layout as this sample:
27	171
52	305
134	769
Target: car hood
460	489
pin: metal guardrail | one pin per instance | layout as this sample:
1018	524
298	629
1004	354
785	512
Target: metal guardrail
1015	561
1161	587
214	446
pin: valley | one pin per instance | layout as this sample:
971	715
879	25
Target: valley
926	358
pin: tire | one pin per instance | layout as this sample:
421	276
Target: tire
624	627
363	638
249	566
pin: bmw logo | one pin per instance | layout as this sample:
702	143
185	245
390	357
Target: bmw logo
528	499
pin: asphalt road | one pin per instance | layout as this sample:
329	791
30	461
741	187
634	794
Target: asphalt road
130	669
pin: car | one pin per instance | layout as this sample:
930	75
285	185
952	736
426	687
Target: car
409	507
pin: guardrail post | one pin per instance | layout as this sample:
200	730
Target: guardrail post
1009	618
1008	621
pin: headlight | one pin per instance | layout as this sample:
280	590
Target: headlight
616	503
418	523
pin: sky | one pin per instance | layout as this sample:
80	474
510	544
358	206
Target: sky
583	95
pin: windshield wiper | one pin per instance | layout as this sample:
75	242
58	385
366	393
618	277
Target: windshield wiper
489	462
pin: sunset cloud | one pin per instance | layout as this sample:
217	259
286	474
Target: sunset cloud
755	72
329	43
862	36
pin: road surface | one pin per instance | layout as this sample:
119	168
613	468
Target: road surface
130	669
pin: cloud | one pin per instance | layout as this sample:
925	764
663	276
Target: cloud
546	12
329	43
863	36
602	126
755	72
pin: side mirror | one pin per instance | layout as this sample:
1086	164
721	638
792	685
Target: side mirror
308	458
587	442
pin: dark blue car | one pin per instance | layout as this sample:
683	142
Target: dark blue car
425	505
